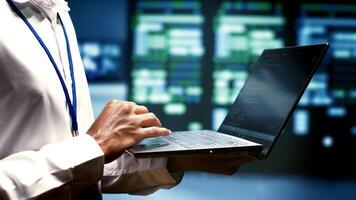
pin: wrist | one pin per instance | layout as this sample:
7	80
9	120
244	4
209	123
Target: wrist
103	144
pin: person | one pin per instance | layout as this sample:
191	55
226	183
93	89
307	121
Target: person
50	145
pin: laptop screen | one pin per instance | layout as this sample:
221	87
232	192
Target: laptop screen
269	96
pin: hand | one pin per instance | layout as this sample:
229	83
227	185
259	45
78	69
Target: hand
227	164
121	125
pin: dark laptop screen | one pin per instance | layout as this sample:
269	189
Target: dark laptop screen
275	86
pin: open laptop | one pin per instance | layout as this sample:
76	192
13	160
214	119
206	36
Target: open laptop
259	113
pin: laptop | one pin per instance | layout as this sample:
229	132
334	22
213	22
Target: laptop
259	113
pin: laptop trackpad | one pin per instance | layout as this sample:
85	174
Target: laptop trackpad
155	144
151	143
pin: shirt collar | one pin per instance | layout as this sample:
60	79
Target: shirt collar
49	8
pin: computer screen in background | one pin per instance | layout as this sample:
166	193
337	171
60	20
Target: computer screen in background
106	71
242	30
327	108
103	61
167	52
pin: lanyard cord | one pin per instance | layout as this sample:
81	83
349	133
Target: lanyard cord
71	107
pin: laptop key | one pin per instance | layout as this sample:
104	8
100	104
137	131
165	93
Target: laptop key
203	139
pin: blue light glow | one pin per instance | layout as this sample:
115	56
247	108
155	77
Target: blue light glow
328	141
338	112
102	61
353	130
301	122
218	117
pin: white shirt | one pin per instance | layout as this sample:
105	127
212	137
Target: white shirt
33	113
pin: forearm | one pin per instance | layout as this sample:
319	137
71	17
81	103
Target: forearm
138	176
61	169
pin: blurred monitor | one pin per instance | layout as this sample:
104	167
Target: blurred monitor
242	30
327	108
167	52
103	61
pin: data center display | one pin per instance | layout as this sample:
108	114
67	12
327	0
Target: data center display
242	30
190	59
103	61
328	106
167	60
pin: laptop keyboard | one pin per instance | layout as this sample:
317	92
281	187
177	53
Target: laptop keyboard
204	139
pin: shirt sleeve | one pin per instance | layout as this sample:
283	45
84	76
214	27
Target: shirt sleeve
60	169
142	176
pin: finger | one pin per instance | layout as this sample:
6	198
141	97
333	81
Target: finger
111	103
141	110
154	132
148	120
125	108
131	103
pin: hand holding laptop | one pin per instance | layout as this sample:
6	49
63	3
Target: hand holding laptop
254	122
122	124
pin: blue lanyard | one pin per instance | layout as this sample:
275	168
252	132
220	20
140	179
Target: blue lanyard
72	107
